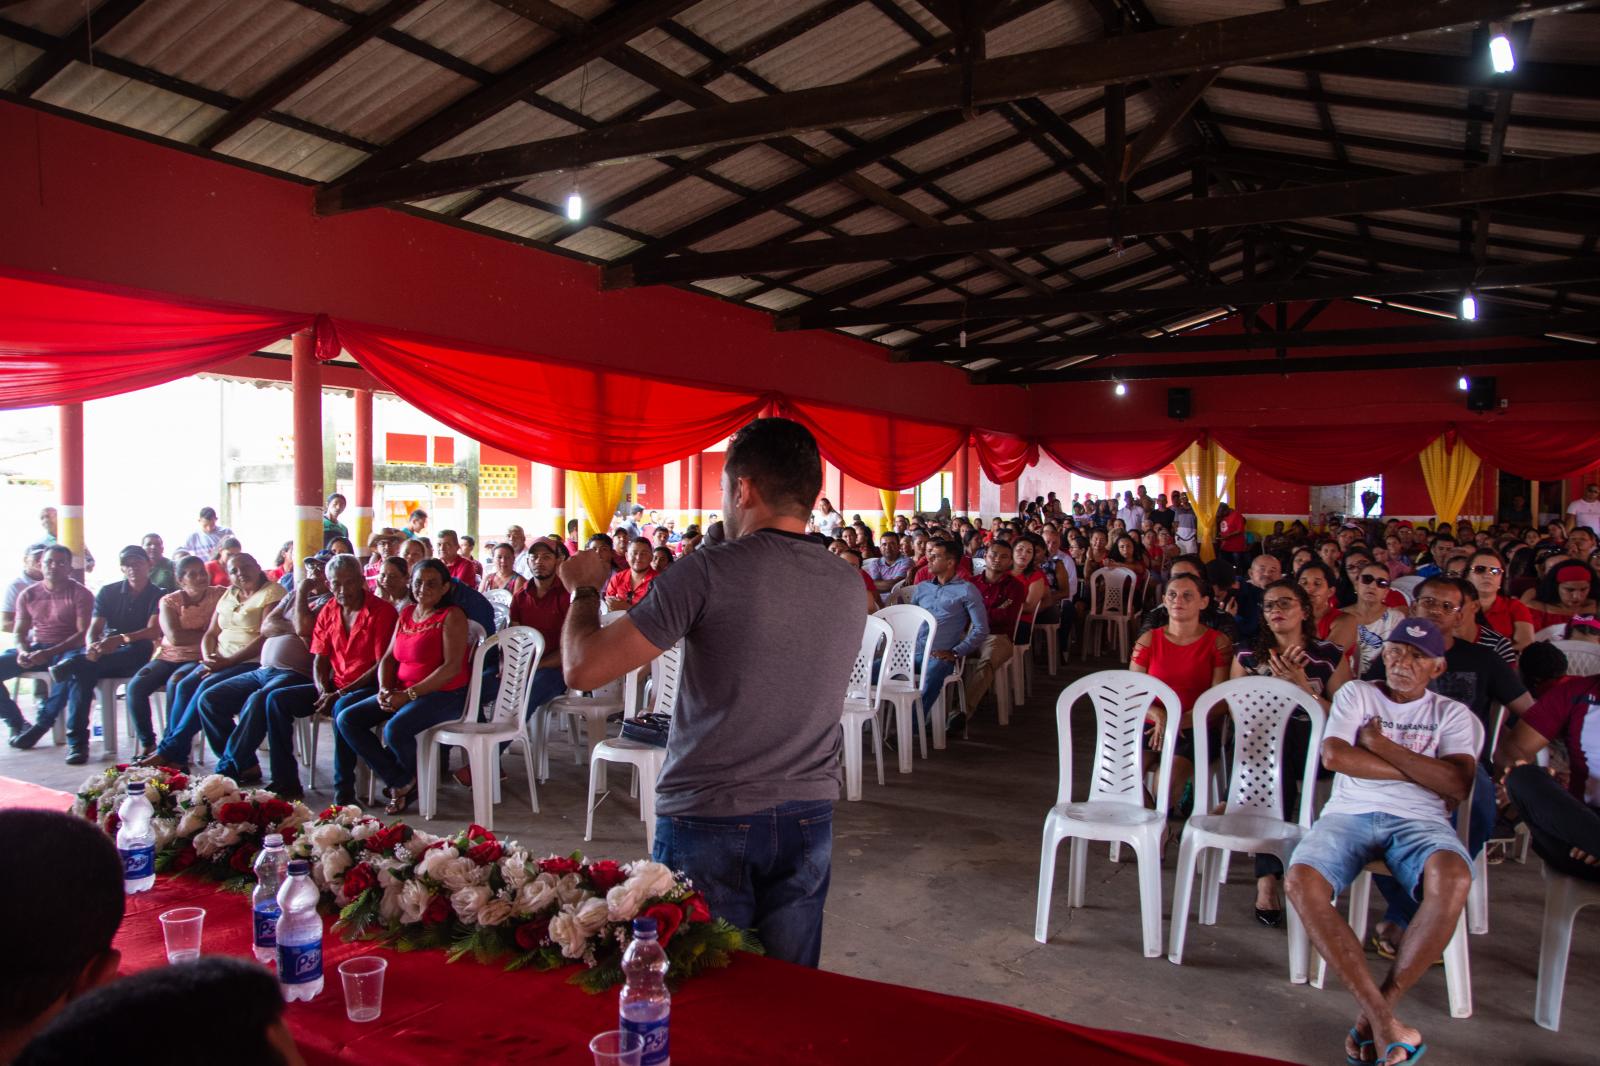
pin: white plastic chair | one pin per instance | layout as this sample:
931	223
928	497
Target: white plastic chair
1111	606
1583	658
1407	586
1021	664
521	648
1256	819
1552	633
1114	810
861	705
900	675
1564	897
646	759
583	714
500	600
1457	964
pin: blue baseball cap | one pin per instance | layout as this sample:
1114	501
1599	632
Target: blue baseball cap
1420	634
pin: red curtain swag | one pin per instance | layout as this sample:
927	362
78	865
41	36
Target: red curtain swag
1003	457
883	451
1118	456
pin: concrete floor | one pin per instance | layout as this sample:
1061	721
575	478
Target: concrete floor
934	883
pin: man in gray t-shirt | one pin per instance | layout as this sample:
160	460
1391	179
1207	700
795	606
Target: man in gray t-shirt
770	623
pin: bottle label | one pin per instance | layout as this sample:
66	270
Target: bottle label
299	964
138	863
266	923
654	1035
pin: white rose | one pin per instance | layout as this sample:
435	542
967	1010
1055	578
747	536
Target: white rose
567	931
192	822
568	891
335	862
389	903
467	902
365	829
386	869
214	838
534	897
419	841
414	899
214	787
592	915
514	869
495	912
330	835
459	873
433	862
624	900
654	878
164	830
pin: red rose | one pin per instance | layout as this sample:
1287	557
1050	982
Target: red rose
237	812
487	852
289	834
329	812
668	917
93	812
695	909
275	810
122	767
531	934
186	858
558	865
113	823
178	781
438	910
243	858
606	875
358	879
386	840
478	832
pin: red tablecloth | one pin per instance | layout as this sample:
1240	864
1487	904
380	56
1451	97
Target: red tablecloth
14	793
756	1011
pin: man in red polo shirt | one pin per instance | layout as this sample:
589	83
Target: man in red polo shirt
461	567
542	604
627	587
351	634
1003	594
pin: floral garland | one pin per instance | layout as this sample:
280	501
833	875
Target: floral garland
469	894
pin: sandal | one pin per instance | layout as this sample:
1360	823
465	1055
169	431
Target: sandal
1361	1046
400	799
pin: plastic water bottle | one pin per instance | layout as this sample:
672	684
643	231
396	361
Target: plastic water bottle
136	841
646	1005
270	864
299	935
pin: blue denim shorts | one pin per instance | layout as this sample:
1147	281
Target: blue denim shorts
1339	845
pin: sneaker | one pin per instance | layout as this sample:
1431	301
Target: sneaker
77	757
22	726
345	801
286	792
30	736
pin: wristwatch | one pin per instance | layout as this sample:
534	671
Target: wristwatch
411	694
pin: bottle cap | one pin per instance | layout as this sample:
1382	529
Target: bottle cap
644	927
299	867
273	840
136	788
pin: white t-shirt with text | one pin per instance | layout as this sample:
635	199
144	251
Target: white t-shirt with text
1431	725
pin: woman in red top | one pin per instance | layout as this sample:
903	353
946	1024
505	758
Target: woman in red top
1319	581
1190	657
422	681
1506	616
1563	592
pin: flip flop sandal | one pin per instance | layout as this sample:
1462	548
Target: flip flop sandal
1414	1052
1382	947
1361	1045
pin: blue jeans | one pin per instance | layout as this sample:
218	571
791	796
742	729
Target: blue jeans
241	697
1401	907
10	713
394	758
83	676
280	710
546	684
933	683
766	871
157	674
1340	845
183	710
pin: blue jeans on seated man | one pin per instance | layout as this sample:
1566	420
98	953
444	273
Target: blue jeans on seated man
10	713
278	713
238	697
80	677
933	683
394	757
766	871
183	710
156	675
1401	907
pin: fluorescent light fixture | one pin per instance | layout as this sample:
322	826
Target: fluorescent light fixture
1500	56
1469	308
1121	389
575	207
1463	383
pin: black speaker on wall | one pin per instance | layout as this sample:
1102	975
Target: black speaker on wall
1178	404
1480	394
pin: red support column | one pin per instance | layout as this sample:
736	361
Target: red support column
69	511
558	500
696	492
958	506
361	477
306	379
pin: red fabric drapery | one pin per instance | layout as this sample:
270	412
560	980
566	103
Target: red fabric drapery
69	341
1002	456
580	418
1116	456
884	451
1326	455
1540	451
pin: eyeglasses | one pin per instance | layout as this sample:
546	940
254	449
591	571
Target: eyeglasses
1369	579
1495	570
1428	603
1279	605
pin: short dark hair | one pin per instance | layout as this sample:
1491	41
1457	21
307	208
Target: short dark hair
603	538
715	533
436	566
419	513
949	546
186	563
780	458
209	512
233	542
132	553
337	496
1439	581
56	926
62	548
227	1002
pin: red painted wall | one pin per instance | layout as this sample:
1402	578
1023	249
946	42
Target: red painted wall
1257	494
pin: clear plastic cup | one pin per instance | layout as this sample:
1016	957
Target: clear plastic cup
181	927
617	1047
363	987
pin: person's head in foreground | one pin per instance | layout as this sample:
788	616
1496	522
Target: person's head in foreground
224	1003
772	470
57	934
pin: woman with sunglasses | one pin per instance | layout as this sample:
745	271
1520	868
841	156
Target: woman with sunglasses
1366	624
1286	647
1487	571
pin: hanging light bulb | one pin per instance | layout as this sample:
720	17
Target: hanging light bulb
1464	383
1469	307
1500	56
575	206
1121	389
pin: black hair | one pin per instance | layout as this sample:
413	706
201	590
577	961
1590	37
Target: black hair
1440	581
132	551
337	496
400	564
949	545
1541	662
436	566
63	904
715	533
227	1003
233	542
1039	550
780	458
603	538
1200	583
1320	567
186	562
1266	641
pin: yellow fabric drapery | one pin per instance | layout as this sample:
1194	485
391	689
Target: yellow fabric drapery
889	498
1200	465
598	495
1449	469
